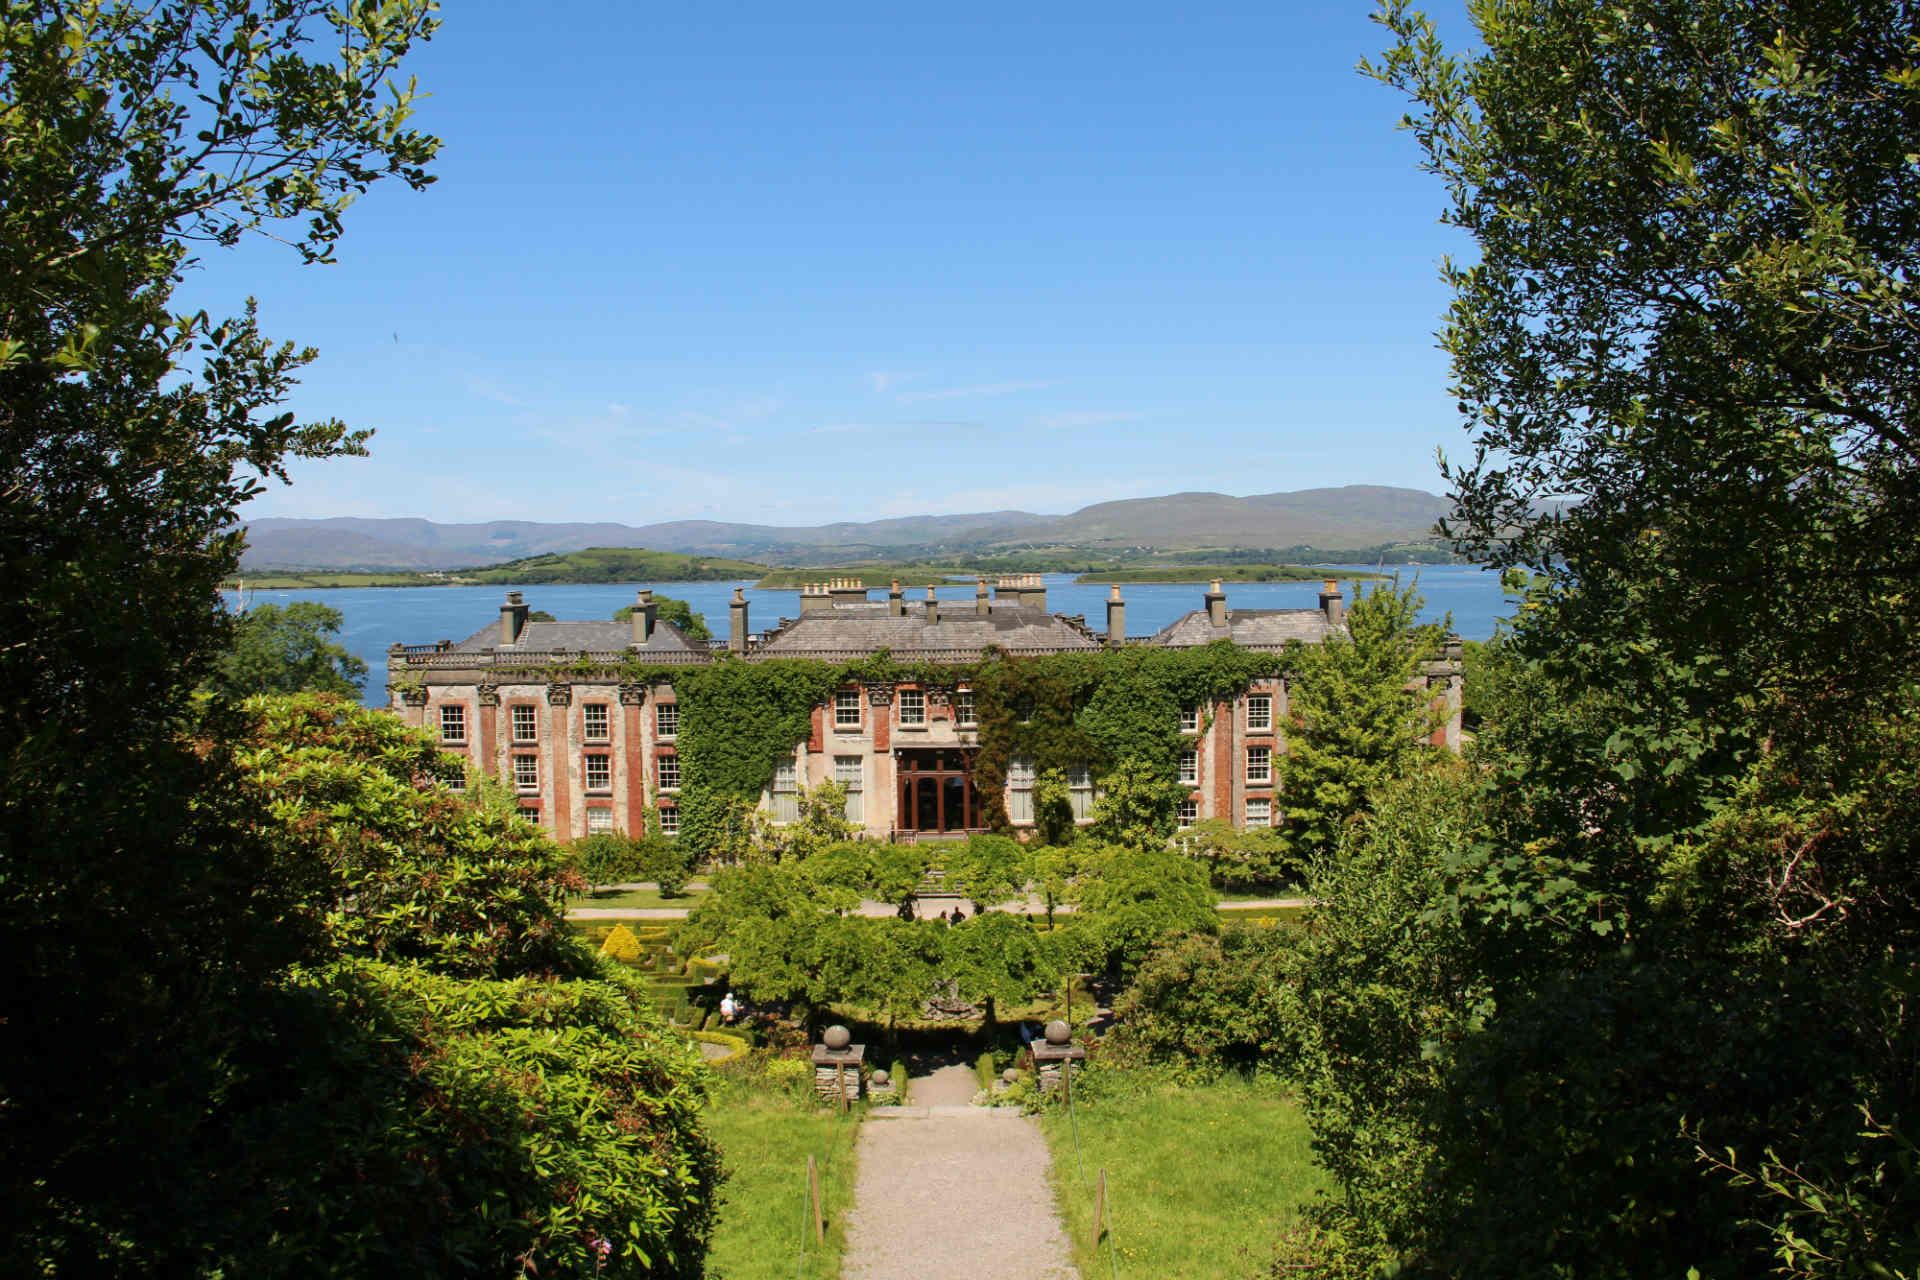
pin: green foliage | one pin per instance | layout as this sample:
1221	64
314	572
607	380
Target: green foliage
988	870
1209	1002
609	857
614	564
1259	857
1656	1016
677	611
1136	806
1352	722
1130	898
286	649
998	959
130	437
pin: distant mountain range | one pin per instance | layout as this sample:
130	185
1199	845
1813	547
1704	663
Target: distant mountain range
1340	519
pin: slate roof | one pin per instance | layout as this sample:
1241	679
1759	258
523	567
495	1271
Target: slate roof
1249	628
867	627
550	637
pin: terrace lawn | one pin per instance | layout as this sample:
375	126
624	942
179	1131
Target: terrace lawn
1202	1180
636	899
765	1137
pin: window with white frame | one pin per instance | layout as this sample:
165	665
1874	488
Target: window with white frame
846	709
526	773
1080	792
1260	712
1259	764
1188	813
786	792
525	727
1019	790
1190	719
1259	811
599	820
666	719
848	772
453	723
669	820
667	772
1189	766
599	772
453	773
913	706
531	812
595	722
963	712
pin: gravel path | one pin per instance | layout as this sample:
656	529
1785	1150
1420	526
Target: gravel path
956	1195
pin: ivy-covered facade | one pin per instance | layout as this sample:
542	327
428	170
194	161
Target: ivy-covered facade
936	716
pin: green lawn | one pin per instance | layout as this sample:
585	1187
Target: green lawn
1278	915
633	899
1201	1179
765	1137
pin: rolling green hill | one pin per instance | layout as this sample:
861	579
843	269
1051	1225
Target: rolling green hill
615	564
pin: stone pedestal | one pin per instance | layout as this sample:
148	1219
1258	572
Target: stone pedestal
1052	1056
836	1072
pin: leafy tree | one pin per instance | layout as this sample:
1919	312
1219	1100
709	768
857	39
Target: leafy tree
287	649
996	958
129	437
1685	349
1137	805
1352	721
1206	1002
672	609
1240	859
989	870
1128	899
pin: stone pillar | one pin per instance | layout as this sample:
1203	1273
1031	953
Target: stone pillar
836	1067
633	758
489	730
737	622
1054	1056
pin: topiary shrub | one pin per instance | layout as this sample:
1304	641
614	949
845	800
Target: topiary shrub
621	945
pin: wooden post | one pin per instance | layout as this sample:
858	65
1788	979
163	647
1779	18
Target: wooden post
840	1085
1100	1210
1066	1080
819	1211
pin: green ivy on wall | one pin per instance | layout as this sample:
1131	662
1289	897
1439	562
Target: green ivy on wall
738	720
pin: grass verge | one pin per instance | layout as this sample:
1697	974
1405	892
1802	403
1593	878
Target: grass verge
765	1135
1201	1179
634	899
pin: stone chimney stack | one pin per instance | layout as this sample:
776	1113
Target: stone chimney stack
982	603
645	614
1116	618
1332	603
1026	589
896	603
815	597
513	618
737	622
933	606
1216	605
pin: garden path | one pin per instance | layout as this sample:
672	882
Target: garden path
946	1192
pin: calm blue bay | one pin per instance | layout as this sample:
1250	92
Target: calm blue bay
379	616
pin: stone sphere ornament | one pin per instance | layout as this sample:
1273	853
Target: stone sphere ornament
881	1076
1010	1075
837	1037
1058	1032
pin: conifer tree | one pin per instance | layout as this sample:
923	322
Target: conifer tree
1353	717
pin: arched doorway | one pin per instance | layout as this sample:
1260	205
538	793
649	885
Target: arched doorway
936	790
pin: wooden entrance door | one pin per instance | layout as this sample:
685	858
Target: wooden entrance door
936	791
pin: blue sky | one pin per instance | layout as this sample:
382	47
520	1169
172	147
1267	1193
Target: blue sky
757	263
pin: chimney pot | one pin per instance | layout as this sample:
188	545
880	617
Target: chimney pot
1116	619
982	604
513	618
1332	603
933	605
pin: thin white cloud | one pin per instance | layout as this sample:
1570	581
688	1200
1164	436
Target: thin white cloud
962	393
1076	420
885	380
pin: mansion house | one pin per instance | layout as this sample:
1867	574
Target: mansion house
587	753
